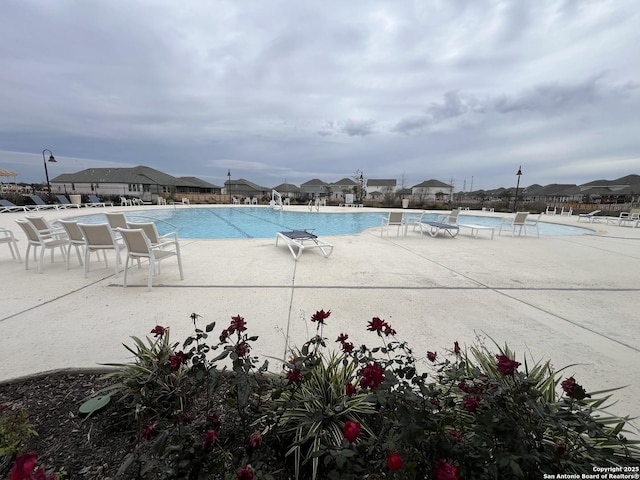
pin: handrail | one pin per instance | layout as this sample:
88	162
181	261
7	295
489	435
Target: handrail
274	203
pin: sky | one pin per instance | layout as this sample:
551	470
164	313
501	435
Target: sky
462	91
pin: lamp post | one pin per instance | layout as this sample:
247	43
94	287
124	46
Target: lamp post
519	174
46	172
229	183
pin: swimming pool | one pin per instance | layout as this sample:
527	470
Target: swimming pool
263	222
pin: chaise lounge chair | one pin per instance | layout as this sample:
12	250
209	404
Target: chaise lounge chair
296	239
434	228
94	201
589	217
9	206
40	204
65	203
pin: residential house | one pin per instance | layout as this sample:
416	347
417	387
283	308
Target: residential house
141	181
339	189
288	190
314	188
242	188
378	188
432	190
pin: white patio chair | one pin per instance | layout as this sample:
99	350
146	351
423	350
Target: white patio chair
139	247
35	239
99	237
6	236
394	219
167	240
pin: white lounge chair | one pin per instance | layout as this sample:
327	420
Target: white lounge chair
35	239
590	217
9	206
434	228
139	246
6	236
99	237
94	201
45	228
300	240
519	222
41	204
394	219
65	203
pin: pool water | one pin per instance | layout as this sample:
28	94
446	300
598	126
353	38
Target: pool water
262	222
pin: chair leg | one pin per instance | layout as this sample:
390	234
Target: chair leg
87	253
126	269
41	260
26	257
179	262
152	272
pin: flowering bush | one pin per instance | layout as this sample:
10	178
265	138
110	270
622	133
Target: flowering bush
358	412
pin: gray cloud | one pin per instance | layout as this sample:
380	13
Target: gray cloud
442	90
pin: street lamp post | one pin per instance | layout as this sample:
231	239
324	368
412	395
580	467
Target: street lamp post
519	174
46	172
229	183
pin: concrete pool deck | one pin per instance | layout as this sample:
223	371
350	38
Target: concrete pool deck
565	298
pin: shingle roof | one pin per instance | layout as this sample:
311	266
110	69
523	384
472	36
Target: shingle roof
432	183
313	182
345	181
381	182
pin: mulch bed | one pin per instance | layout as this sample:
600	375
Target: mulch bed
85	447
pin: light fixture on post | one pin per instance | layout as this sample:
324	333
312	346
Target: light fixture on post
519	174
46	172
229	184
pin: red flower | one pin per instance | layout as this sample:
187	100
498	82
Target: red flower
372	376
561	447
209	438
432	356
24	468
455	434
245	473
149	431
506	366
456	348
444	471
214	419
471	404
574	389
294	376
242	349
351	430
349	390
320	316
347	347
176	360
380	326
159	331
255	440
237	324
224	335
343	337
394	462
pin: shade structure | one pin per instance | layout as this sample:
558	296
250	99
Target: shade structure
7	173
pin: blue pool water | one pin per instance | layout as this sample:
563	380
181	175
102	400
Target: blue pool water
261	222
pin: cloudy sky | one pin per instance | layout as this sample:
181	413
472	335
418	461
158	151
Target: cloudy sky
455	90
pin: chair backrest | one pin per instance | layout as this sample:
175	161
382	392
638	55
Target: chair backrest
29	231
73	230
7	203
37	200
136	241
97	235
453	216
39	223
63	200
149	229
520	218
395	218
116	220
94	198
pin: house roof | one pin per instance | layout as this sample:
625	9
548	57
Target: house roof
345	182
247	183
314	182
432	183
194	182
287	188
381	182
140	174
